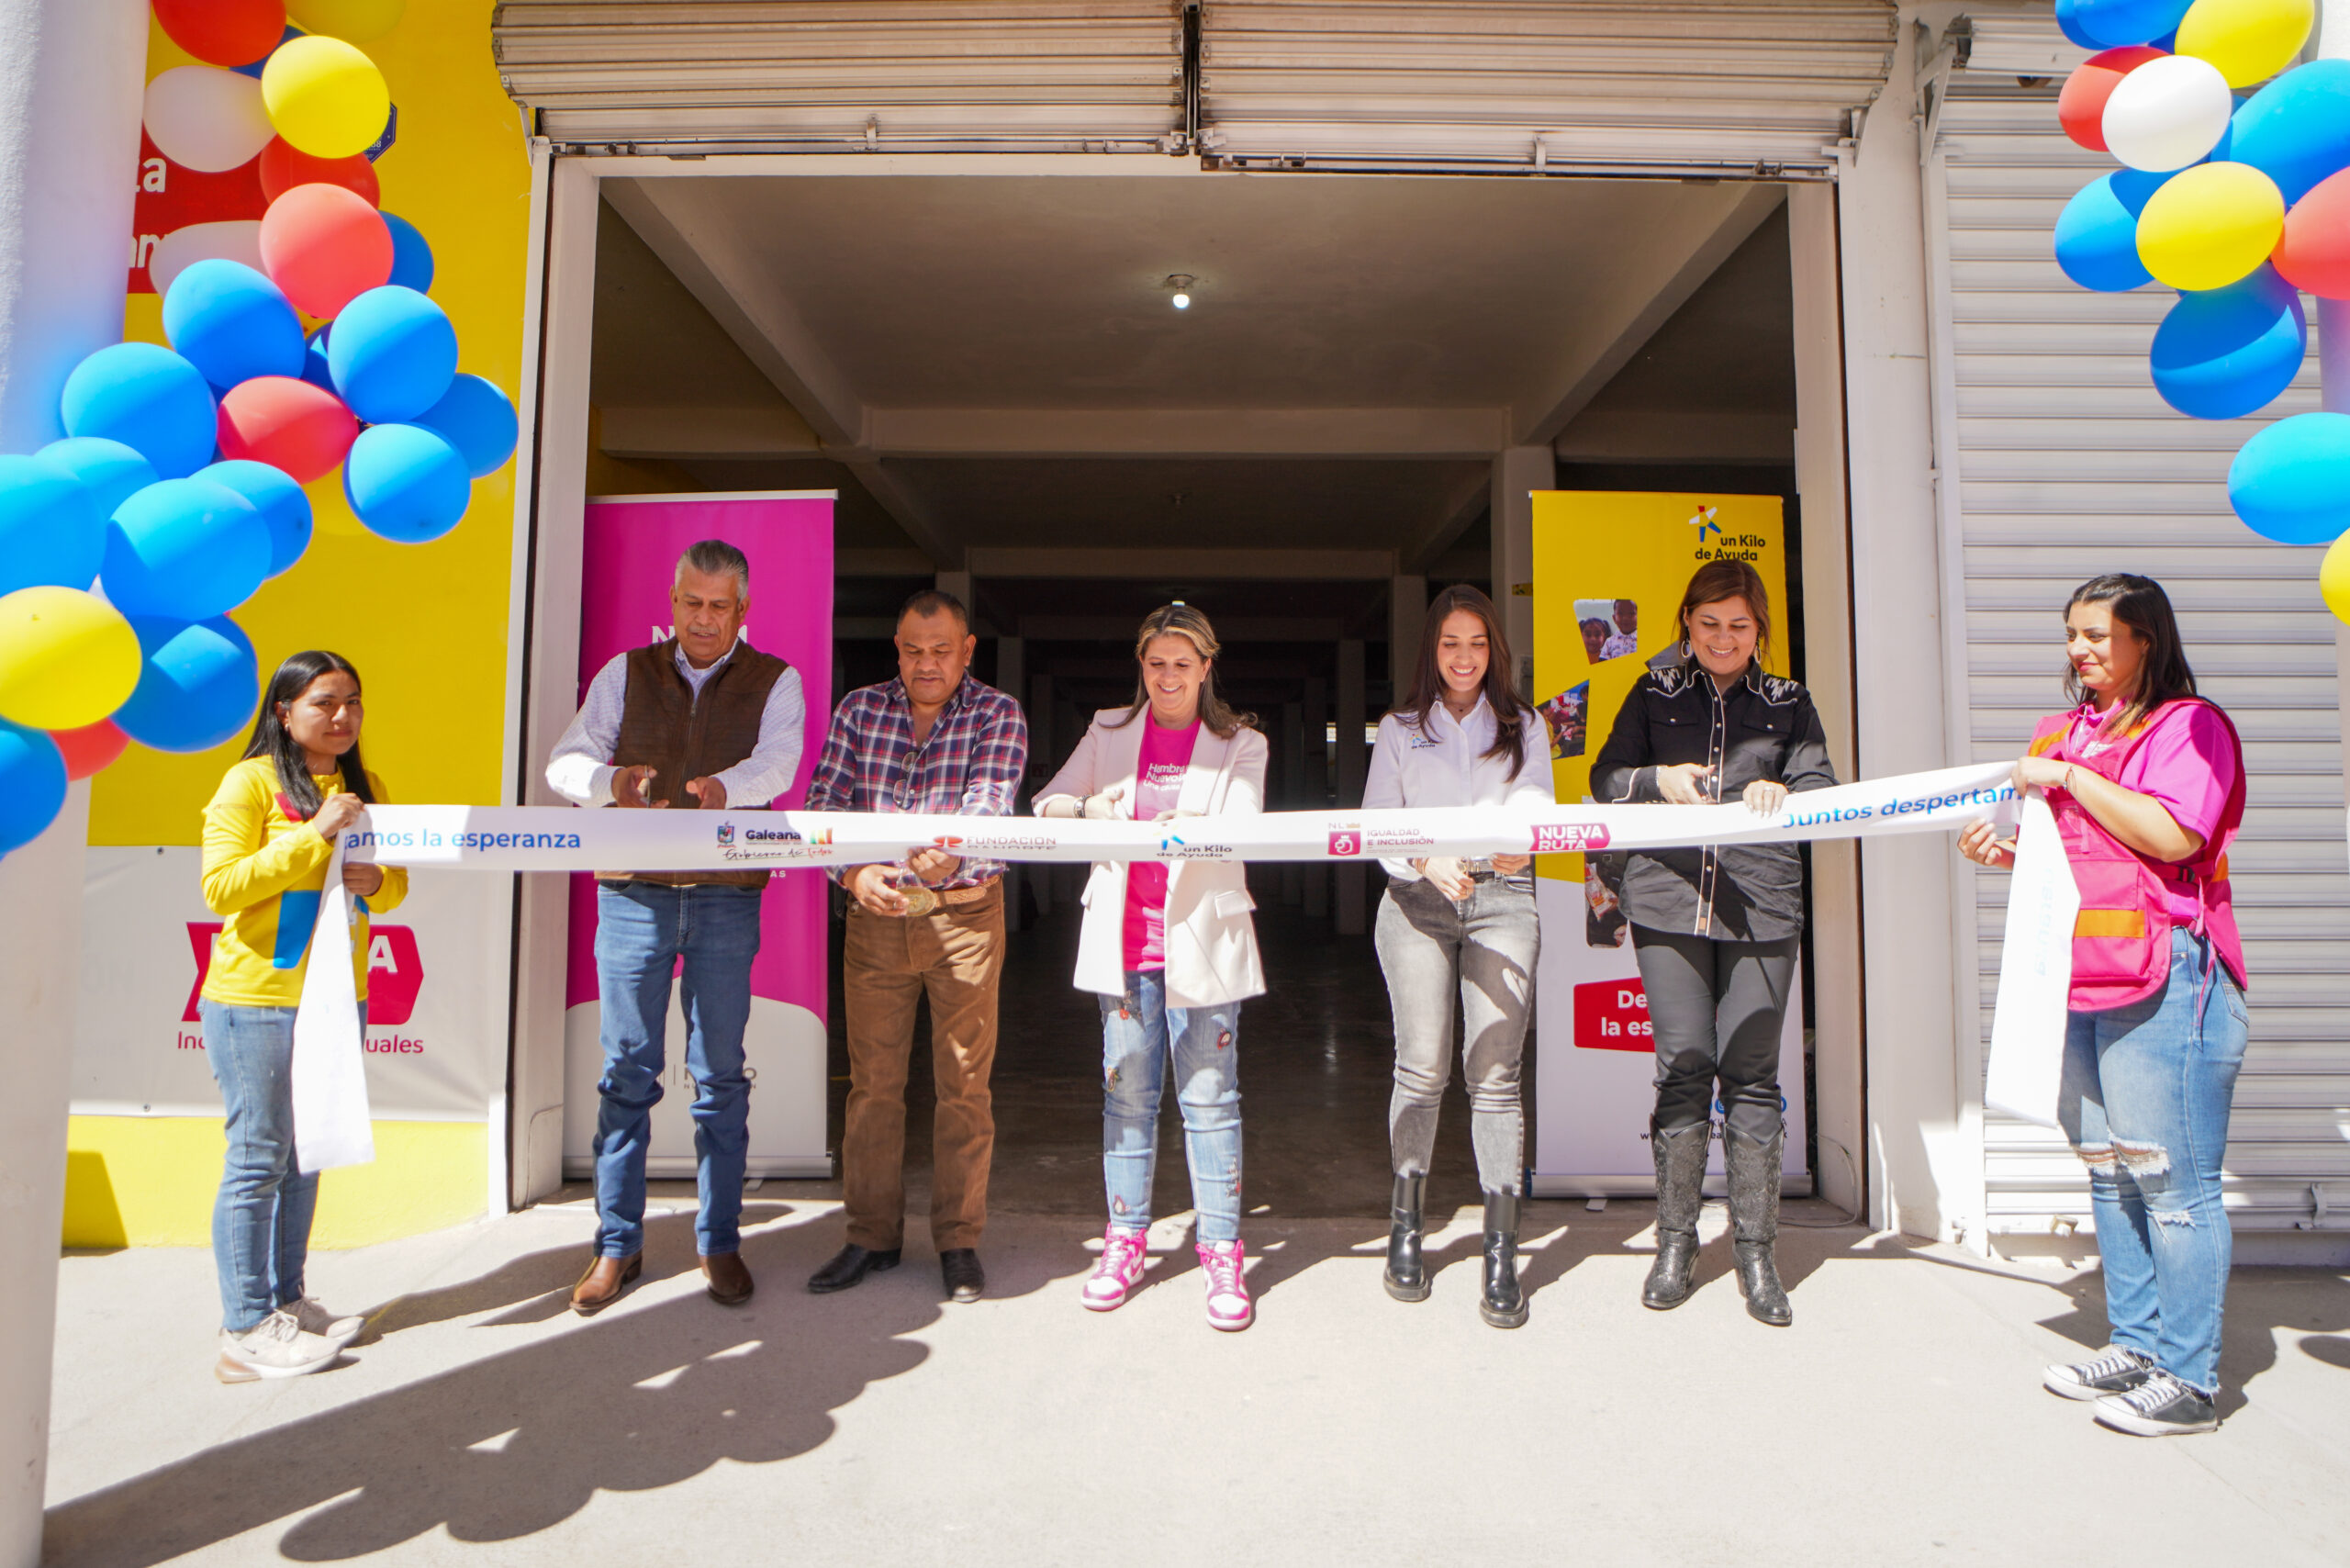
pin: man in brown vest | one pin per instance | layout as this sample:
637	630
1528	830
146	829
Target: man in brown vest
700	719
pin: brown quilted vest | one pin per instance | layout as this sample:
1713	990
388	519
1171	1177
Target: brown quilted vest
663	726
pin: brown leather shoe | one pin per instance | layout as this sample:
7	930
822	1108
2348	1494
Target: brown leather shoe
602	1283
729	1280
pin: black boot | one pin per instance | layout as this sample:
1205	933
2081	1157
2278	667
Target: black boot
1504	1303
1680	1194
1755	1223
1407	1278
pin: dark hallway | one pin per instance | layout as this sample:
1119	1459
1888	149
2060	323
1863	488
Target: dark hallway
1317	1052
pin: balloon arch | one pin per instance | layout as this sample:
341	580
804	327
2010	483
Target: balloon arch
2241	203
177	490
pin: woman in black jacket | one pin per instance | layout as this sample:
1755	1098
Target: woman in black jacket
1715	930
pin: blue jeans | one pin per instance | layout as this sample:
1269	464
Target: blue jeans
260	1221
642	929
2145	1098
1139	1031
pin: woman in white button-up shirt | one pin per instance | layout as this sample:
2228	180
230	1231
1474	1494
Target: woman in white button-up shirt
1458	938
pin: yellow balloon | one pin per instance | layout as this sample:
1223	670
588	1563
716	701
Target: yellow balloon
353	21
67	658
2249	40
2334	578
2210	225
325	97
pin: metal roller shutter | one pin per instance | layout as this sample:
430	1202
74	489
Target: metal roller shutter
1747	86
2069	465
827	76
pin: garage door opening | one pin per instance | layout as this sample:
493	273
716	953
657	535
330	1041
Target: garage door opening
1370	374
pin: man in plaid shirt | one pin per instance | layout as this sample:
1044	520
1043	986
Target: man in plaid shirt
935	739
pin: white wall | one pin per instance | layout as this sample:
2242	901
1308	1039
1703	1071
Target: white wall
71	76
1924	1167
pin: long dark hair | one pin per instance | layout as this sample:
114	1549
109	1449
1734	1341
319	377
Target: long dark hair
2139	605
273	740
1180	619
1427	681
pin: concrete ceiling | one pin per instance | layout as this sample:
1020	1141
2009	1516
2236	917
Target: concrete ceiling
991	364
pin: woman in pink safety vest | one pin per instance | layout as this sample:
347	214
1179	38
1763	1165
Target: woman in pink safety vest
2146	782
1169	947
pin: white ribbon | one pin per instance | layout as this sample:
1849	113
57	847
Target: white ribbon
564	838
331	1126
2029	1020
330	1079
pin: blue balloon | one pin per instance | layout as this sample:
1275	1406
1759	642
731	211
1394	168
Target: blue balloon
282	503
232	323
2069	24
186	549
2223	353
52	532
405	483
2097	234
112	471
476	419
411	257
2296	130
32	785
314	361
199	684
150	399
2291	482
2109	24
393	355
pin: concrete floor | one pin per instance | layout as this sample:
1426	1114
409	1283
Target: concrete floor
1317	1054
1900	1420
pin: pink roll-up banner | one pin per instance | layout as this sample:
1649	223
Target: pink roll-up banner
630	550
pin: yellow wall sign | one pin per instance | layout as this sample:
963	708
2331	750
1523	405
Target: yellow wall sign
1610	567
427	626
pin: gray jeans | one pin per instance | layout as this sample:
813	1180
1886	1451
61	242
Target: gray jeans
1718	1009
1466	967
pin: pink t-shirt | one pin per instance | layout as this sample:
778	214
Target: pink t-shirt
2188	761
1158	787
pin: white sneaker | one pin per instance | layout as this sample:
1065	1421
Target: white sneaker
310	1315
275	1347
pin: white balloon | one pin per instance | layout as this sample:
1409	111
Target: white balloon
2167	113
183	248
208	119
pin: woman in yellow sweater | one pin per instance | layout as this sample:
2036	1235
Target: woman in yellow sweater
268	835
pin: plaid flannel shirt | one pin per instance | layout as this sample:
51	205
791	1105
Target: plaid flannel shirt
971	765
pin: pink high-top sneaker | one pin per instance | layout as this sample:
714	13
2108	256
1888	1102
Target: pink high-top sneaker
1118	1272
1230	1308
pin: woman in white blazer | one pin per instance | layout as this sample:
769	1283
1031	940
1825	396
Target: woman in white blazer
1458	938
1169	947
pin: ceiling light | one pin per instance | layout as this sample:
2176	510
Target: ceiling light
1182	301
1182	284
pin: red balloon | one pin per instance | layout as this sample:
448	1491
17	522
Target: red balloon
325	246
2080	107
224	32
2315	254
288	424
284	166
90	749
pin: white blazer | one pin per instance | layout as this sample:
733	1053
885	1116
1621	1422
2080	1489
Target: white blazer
1211	942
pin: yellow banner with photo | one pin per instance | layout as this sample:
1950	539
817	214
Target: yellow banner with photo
1609	570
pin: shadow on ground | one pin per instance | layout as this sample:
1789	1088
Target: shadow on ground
508	1445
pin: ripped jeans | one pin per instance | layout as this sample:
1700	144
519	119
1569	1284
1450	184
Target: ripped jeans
1139	1033
2144	1101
